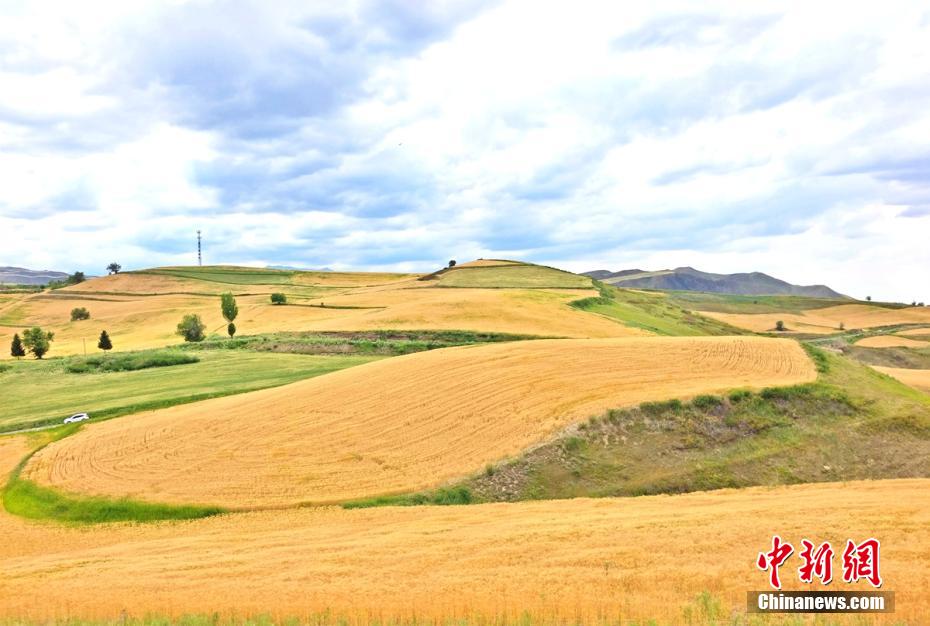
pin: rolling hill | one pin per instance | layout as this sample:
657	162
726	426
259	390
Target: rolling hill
690	279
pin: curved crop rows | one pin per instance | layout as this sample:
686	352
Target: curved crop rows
563	561
399	425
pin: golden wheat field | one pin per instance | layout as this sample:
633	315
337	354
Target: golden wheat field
919	379
915	331
398	425
583	559
891	341
828	319
138	321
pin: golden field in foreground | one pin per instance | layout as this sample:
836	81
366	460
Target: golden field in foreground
633	558
919	379
400	424
826	320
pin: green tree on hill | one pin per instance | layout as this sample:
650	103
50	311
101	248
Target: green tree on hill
779	326
16	348
38	341
191	328
104	343
278	298
79	313
230	311
114	268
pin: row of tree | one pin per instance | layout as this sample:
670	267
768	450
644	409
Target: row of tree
38	342
192	328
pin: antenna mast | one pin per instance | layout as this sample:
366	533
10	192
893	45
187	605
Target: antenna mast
199	258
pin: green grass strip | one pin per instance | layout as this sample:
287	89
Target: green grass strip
27	499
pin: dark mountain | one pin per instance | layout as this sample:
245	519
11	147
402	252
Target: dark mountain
690	279
603	274
22	276
298	269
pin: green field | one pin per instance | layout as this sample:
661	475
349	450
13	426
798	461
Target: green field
512	276
731	303
651	311
44	392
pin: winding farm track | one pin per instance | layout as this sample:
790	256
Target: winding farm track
397	425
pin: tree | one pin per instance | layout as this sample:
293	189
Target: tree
79	313
278	298
230	311
77	277
104	343
452	263
16	348
779	326
37	341
191	328
842	326
114	268
869	298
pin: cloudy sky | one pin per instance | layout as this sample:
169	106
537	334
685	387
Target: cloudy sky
790	138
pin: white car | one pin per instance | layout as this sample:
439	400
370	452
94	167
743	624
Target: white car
77	417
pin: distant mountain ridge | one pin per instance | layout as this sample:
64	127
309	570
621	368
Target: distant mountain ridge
23	276
690	279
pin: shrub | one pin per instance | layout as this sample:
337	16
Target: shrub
706	402
452	495
278	298
129	362
104	343
738	395
779	326
655	408
191	328
79	313
231	329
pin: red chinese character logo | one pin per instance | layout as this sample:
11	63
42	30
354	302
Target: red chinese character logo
862	562
774	559
817	562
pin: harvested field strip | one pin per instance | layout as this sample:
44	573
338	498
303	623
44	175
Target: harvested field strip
389	427
922	332
891	341
569	561
919	379
827	320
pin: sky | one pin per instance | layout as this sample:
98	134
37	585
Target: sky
791	138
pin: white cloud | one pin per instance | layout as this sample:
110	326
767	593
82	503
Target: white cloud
785	137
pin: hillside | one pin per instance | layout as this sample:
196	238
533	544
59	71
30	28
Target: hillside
21	276
690	279
490	402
